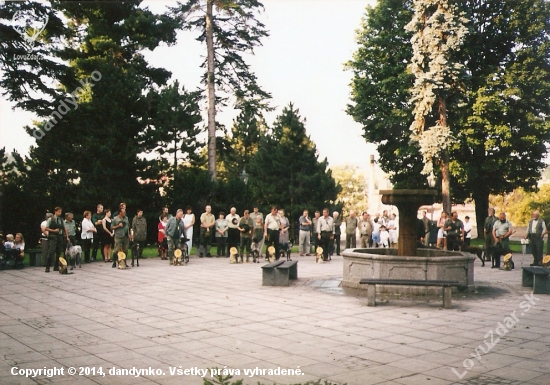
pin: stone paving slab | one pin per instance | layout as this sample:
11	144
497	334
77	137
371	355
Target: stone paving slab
213	314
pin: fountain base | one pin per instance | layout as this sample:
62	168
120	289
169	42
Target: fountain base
427	264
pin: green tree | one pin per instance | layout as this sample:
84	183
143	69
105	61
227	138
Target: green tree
247	130
174	126
353	193
500	126
230	29
286	171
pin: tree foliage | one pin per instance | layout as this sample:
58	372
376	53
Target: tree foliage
353	193
499	118
286	171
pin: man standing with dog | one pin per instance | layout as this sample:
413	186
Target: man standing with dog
174	229
536	229
120	226
56	230
502	229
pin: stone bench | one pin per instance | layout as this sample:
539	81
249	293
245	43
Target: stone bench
279	273
372	282
35	257
536	278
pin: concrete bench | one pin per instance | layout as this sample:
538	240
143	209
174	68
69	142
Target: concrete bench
372	282
279	273
536	278
35	257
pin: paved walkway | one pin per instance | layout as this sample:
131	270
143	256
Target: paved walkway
213	314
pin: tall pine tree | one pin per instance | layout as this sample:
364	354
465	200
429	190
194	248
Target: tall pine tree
286	170
230	29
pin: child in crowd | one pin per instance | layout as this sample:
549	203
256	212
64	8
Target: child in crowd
384	237
9	242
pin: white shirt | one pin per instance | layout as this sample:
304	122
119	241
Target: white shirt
233	221
325	224
272	222
468	229
87	225
384	237
392	222
376	228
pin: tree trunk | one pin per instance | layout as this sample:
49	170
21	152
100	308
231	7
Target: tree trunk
211	91
445	174
481	198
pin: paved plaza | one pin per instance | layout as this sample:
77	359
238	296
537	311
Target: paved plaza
213	314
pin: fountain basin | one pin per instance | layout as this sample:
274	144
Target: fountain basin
427	264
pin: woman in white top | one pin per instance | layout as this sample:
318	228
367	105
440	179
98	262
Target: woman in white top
88	230
188	222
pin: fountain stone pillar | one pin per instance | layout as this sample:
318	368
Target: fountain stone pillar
408	203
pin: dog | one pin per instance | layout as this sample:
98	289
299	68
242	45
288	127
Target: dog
255	250
497	253
507	263
286	249
62	266
477	251
74	253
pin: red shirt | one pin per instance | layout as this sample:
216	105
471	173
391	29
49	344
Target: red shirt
161	235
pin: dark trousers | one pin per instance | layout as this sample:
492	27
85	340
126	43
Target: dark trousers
537	244
316	242
273	241
205	241
325	243
97	244
86	245
55	245
245	244
221	242
335	245
351	241
453	242
138	250
488	245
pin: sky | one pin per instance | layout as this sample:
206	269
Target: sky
302	61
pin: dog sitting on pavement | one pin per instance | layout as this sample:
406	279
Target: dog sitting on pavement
74	253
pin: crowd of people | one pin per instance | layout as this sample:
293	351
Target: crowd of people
100	231
110	233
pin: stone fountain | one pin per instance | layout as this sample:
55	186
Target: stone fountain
407	262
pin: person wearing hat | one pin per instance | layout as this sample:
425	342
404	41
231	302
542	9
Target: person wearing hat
246	226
